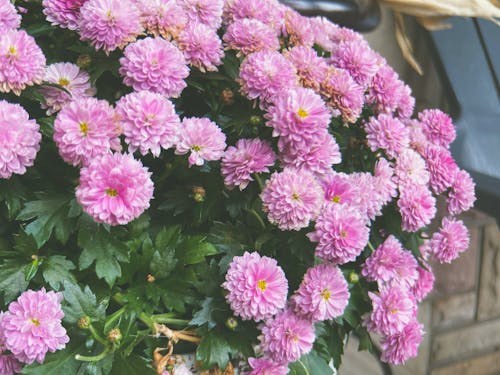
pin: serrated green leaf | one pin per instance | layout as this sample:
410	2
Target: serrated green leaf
56	269
205	314
163	263
60	362
213	350
310	364
13	193
12	279
79	303
194	250
132	364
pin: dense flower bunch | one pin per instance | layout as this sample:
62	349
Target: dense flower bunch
234	146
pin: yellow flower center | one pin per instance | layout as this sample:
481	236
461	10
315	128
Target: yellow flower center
111	192
343	234
302	113
336	199
84	127
196	148
295	197
325	294
262	285
35	322
12	50
63	82
394	311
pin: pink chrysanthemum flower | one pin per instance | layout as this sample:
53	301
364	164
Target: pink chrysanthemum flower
324	32
390	262
109	24
154	64
411	169
441	166
207	12
114	189
22	62
343	94
247	157
32	327
385	90
418	140
76	82
299	115
358	59
387	133
291	199
406	104
287	337
339	188
201	47
393	309
417	207
344	34
451	240
19	139
317	156
269	12
63	13
250	35
257	287
164	18
341	232
424	284
311	68
266	366
462	194
148	121
9	18
384	180
9	365
399	347
264	74
437	126
86	128
323	293
202	138
369	199
297	29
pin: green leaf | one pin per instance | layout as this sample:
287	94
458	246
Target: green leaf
194	250
60	362
213	350
12	192
163	262
56	269
205	314
12	279
310	364
132	364
79	303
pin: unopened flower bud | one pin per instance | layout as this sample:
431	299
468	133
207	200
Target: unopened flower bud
150	278
353	277
227	96
114	335
199	194
34	257
255	120
83	61
231	323
84	322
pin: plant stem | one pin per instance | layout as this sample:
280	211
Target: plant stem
97	336
257	216
371	246
259	181
94	358
169	319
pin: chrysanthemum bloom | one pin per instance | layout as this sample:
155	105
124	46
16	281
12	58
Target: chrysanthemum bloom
207	12
424	284
358	59
201	46
9	18
451	240
339	188
462	194
32	327
323	293
22	62
341	232
437	126
19	139
114	189
182	369
269	12
76	82
154	64
343	94
9	365
369	200
202	138
418	140
399	347
324	32
406	104
441	166
387	133
291	199
250	35
299	115
257	287
393	309
311	68
266	366
344	34
385	90
297	29
384	180
287	337
264	74
390	262
63	13
247	157
411	169
164	18
109	24
86	128
417	207
148	121
316	156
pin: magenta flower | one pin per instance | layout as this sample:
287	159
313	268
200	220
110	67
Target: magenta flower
424	284
358	59
154	64
399	347
266	366
207	12
286	337
297	29
368	200
451	240
109	24
291	199
437	127
417	207
63	13
250	35
406	104
114	189
323	293
269	12
19	139
462	194
32	327
341	232
384	180
84	129
148	121
9	18
311	68
385	90
442	168
257	287
339	188
387	133
411	169
9	365
22	62
247	157
418	140
75	81
324	32
164	18
202	138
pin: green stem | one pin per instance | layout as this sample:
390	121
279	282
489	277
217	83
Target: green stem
371	246
147	320
94	358
168	318
257	216
97	336
259	181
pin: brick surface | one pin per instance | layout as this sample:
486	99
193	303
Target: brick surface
484	365
452	310
489	292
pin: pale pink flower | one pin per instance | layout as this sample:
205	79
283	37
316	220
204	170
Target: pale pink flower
297	29
417	207
462	193
257	287
385	91
411	169
339	188
269	12
425	282
358	59
384	180
291	199
437	127
369	199
9	18
387	133
266	366
406	104
250	35
399	347
442	168
207	12
325	32
418	140
451	240
201	46
9	365
114	189
164	18
311	68
202	138
63	13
